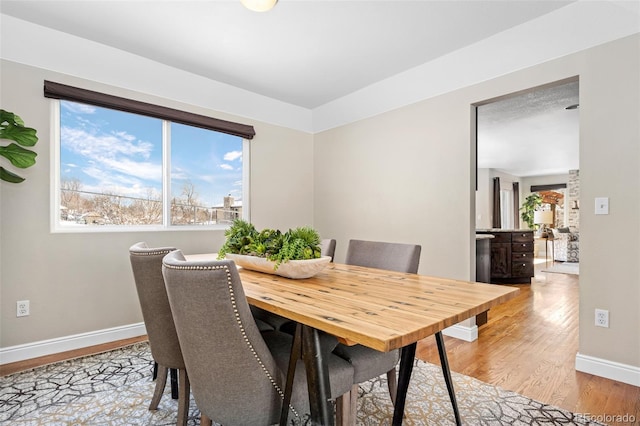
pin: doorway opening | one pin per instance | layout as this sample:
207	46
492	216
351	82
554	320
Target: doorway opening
527	143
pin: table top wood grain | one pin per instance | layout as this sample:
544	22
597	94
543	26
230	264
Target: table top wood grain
381	309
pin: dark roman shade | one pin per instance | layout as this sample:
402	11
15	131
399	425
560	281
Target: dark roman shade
516	205
538	188
75	94
497	220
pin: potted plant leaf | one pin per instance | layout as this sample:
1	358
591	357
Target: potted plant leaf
292	254
531	203
12	128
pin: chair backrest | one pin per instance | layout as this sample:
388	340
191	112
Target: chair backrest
328	247
146	264
390	256
234	377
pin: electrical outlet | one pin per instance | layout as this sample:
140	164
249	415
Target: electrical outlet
602	318
22	308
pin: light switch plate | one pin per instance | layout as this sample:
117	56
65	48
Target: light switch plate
602	205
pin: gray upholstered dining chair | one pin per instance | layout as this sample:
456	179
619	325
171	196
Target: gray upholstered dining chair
327	248
146	264
237	373
369	363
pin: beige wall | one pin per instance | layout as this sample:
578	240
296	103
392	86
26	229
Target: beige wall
81	283
610	167
405	175
417	162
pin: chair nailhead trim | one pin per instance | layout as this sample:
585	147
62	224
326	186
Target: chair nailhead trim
238	320
150	253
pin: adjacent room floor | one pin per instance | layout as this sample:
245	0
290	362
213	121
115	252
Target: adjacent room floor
529	346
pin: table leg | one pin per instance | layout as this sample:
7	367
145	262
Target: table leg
291	372
407	355
317	378
447	376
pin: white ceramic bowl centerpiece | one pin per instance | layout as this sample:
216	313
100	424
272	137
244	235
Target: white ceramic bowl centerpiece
293	254
296	269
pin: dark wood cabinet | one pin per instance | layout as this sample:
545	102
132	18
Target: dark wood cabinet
483	269
511	256
483	258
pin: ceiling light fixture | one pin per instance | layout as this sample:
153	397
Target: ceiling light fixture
259	5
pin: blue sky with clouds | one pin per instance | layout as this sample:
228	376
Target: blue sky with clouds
121	153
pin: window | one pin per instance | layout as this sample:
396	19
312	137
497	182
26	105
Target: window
116	170
206	170
506	208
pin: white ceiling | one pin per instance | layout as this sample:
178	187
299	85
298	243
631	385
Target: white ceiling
306	53
532	133
314	53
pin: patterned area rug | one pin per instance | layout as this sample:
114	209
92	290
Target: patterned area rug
115	388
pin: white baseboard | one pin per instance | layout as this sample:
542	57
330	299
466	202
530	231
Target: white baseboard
466	333
608	369
68	343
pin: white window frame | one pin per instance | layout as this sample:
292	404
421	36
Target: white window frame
56	227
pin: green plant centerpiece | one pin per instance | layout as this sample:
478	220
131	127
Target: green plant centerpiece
272	245
12	128
531	203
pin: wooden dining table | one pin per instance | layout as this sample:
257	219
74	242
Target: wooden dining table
380	309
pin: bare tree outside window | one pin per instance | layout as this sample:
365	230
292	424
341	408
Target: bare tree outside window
148	211
70	200
184	210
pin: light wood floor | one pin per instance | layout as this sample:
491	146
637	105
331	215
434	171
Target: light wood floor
14	367
529	346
